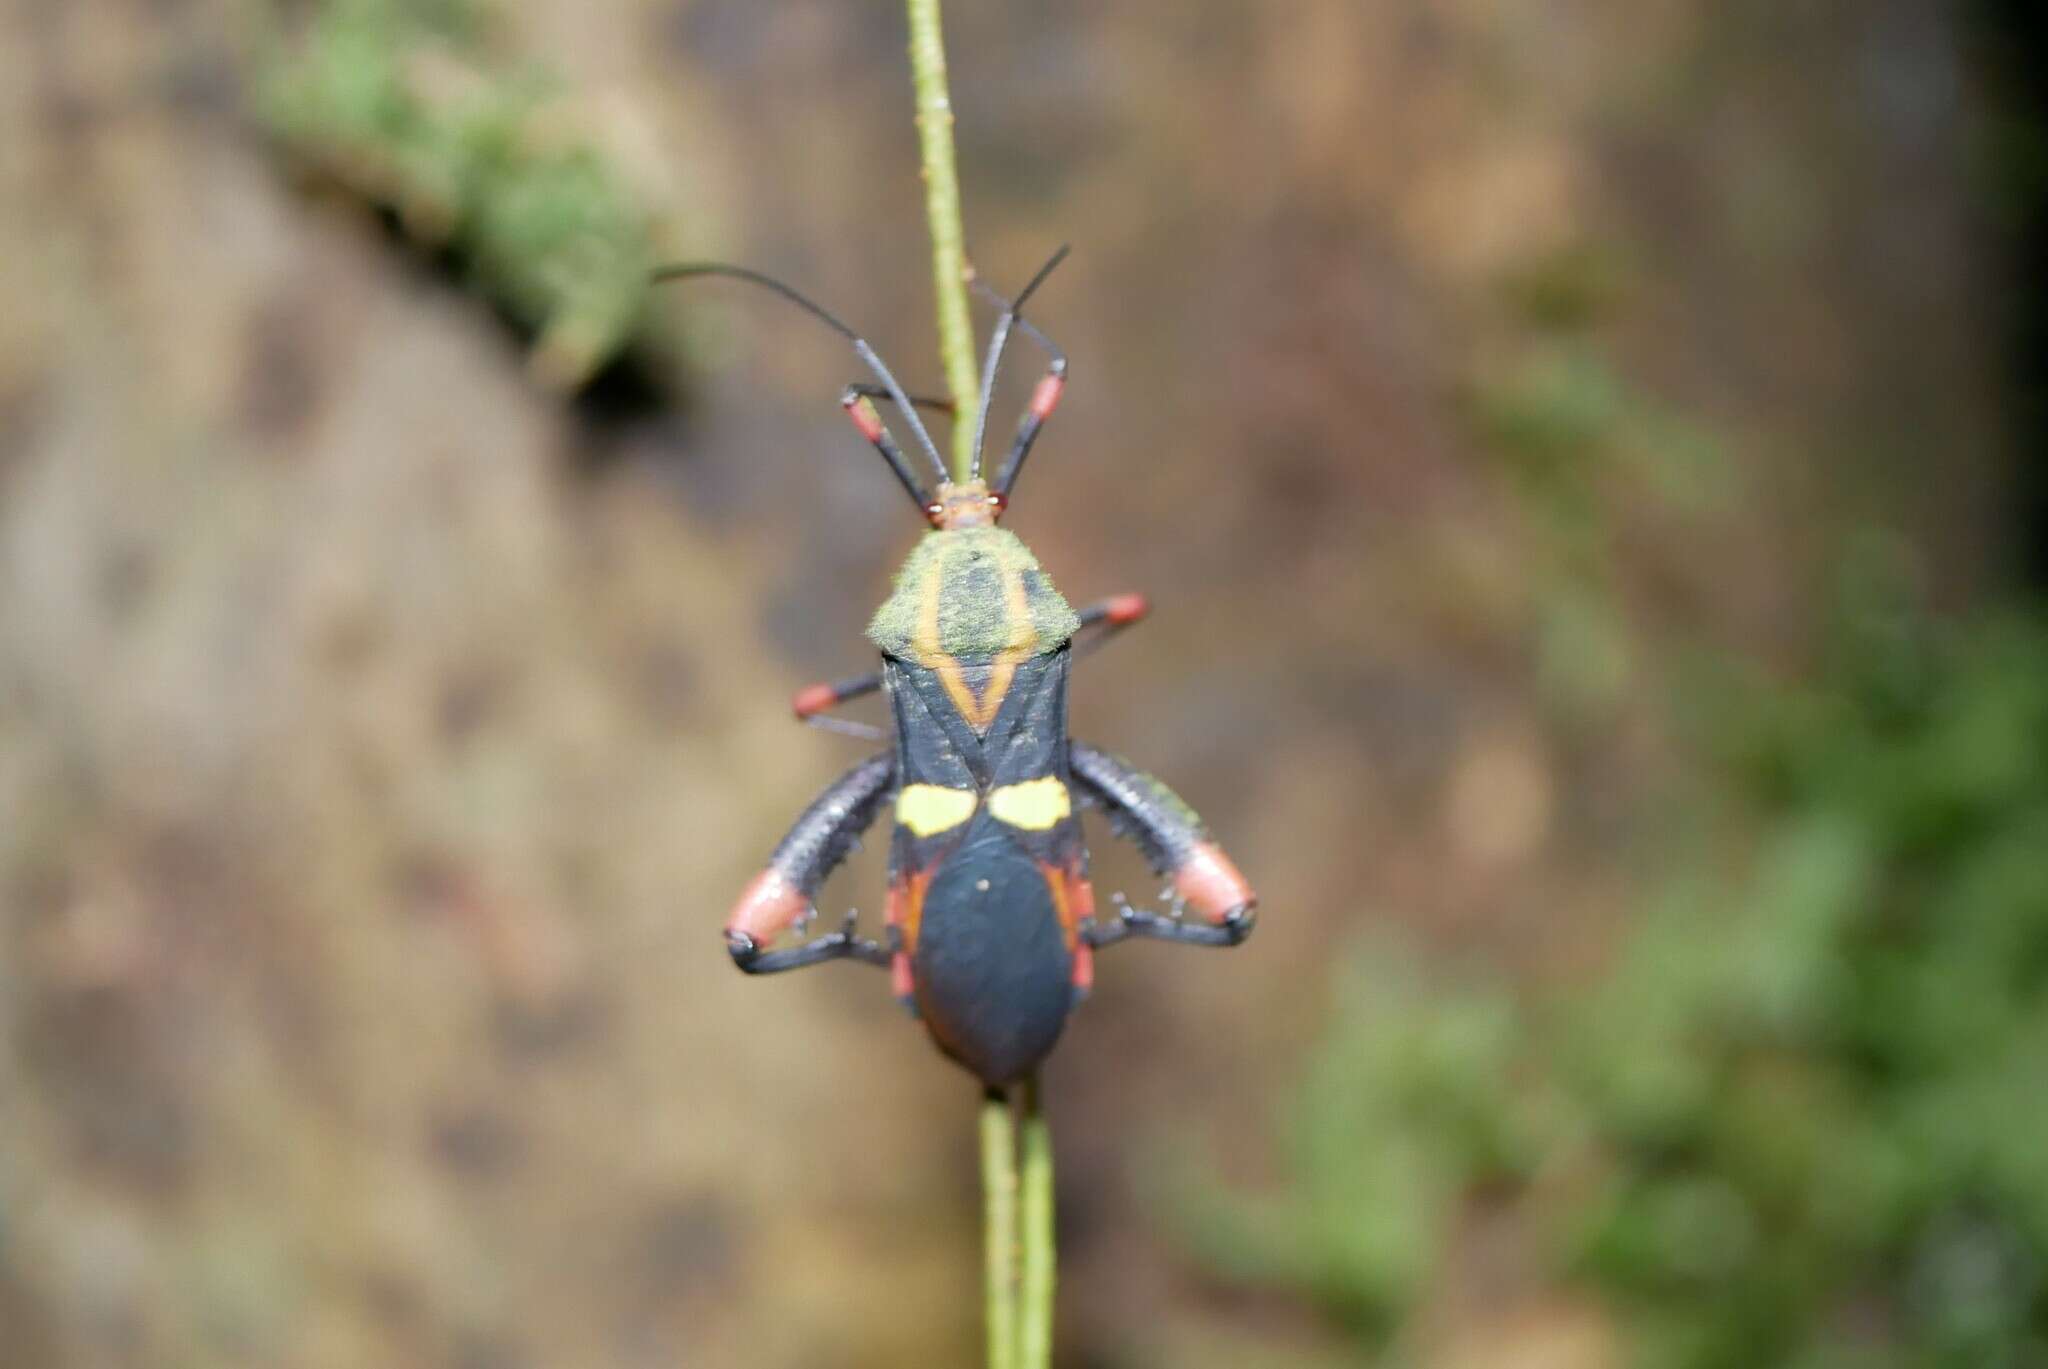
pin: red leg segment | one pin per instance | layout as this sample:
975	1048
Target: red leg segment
1176	845
781	895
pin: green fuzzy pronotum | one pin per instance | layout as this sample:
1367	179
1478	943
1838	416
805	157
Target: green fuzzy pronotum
972	566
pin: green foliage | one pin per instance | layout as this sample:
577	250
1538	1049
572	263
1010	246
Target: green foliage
1804	1115
1419	1084
1586	453
404	105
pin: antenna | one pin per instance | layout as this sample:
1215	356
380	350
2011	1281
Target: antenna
1000	338
689	270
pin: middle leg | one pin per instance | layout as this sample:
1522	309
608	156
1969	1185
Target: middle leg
1112	615
813	704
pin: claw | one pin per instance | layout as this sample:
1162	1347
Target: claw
1238	923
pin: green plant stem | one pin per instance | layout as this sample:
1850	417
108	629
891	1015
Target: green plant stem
999	1227
1012	1343
1034	1333
942	208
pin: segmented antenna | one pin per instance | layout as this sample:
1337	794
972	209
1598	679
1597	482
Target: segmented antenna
1000	338
687	270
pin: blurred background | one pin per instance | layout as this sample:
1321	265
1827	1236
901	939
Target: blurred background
1585	461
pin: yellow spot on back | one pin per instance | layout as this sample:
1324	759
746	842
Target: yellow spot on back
927	809
1034	805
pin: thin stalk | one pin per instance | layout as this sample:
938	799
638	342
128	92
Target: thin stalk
1034	1332
1013	1343
949	238
999	1227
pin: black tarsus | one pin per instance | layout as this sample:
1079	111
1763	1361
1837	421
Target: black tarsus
688	270
840	945
846	727
1234	928
1012	315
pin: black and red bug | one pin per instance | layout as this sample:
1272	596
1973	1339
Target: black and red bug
990	929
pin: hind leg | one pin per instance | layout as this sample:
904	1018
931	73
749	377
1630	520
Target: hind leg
1176	845
780	896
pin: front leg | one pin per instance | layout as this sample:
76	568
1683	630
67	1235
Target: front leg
1177	846
814	703
781	894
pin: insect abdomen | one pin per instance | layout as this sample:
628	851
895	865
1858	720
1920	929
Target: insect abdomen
992	972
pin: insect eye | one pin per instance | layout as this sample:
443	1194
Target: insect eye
997	502
935	512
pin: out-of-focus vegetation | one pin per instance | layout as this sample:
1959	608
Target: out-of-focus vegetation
1799	1120
406	105
1577	442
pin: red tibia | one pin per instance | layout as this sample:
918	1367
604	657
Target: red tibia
1211	884
814	699
1081	896
1125	609
767	907
1046	397
864	417
900	982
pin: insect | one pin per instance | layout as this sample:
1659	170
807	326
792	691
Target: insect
990	924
